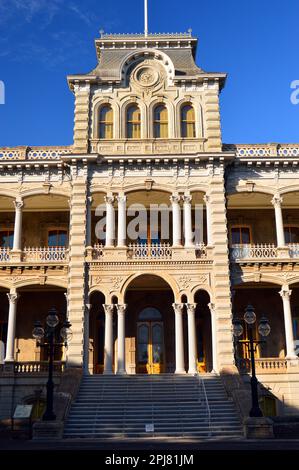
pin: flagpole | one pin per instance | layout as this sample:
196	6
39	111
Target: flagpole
145	18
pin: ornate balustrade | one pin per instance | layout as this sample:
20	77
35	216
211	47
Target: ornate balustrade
34	153
97	252
263	150
37	367
248	251
4	255
294	250
48	254
263	365
154	251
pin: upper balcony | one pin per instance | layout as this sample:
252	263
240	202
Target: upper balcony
263	228
34	231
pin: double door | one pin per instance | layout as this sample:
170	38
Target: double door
150	347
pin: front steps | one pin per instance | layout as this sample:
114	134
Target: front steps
176	405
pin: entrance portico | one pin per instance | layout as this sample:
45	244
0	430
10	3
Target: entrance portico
152	331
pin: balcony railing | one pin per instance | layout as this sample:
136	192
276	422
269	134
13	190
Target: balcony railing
294	250
4	255
154	251
261	251
53	254
37	367
263	150
263	365
248	251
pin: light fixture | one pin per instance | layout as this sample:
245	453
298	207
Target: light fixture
38	332
264	328
52	319
249	316
237	328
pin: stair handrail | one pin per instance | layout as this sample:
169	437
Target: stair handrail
208	410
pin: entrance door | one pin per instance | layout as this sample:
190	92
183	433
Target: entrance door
150	352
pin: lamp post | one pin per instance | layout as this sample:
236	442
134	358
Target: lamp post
48	332
264	330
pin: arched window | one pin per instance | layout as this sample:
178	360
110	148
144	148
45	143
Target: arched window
188	121
133	122
160	122
106	122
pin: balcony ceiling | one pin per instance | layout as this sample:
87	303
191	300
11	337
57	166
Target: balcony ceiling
261	201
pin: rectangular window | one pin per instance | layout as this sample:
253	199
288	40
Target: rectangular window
57	238
6	238
240	235
291	234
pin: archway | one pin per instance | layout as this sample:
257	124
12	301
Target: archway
149	326
265	299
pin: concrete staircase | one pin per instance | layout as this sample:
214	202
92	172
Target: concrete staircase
176	405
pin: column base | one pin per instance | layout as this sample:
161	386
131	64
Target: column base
192	372
180	371
121	372
108	372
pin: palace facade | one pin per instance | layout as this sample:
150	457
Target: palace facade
147	132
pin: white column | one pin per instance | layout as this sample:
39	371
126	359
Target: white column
110	221
121	339
86	340
288	324
17	239
176	220
188	221
207	201
122	221
108	342
277	201
214	337
179	339
88	222
11	331
192	353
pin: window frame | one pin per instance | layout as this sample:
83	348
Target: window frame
59	229
240	226
133	122
288	226
186	122
160	122
105	123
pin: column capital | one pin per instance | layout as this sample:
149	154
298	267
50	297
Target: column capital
211	307
18	203
109	199
191	308
108	308
187	198
175	198
121	309
277	200
121	198
88	306
90	199
285	292
13	297
178	308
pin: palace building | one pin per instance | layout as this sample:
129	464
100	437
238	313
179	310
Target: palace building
147	133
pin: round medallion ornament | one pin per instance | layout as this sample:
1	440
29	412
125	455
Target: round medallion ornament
147	76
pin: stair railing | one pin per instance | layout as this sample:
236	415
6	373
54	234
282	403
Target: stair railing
206	401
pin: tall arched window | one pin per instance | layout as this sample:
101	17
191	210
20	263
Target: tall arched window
106	122
160	122
133	122
188	121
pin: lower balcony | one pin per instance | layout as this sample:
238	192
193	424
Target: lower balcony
31	368
263	365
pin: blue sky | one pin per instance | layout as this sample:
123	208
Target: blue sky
254	41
